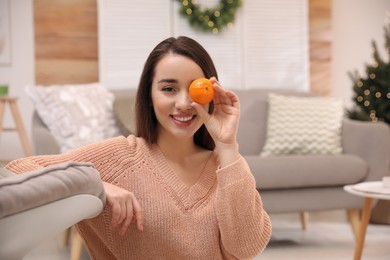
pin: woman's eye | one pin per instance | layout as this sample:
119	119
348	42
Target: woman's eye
168	89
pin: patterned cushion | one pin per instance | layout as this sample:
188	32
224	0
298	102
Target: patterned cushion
75	114
303	125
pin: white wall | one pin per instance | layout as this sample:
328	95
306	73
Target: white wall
355	23
18	74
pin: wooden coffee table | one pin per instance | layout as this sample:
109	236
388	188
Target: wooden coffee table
370	191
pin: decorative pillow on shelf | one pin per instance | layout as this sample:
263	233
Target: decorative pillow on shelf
76	115
303	125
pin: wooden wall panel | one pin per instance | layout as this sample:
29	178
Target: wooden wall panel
66	41
320	34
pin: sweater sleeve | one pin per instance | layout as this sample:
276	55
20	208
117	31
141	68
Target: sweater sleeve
244	225
105	155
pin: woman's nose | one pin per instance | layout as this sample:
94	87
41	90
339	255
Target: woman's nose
184	101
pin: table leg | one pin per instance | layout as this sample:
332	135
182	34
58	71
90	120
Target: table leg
363	228
20	128
2	109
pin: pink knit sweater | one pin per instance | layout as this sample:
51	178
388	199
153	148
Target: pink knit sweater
220	217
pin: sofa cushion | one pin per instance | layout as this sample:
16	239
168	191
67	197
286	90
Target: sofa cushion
124	110
253	119
296	171
35	188
303	125
76	115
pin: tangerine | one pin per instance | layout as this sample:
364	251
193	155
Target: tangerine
201	91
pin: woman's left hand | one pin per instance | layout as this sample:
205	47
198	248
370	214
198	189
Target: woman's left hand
222	124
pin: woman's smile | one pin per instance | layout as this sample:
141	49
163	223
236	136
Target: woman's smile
183	120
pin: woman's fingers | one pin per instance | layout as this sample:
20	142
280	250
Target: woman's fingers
128	210
134	215
125	208
138	214
116	212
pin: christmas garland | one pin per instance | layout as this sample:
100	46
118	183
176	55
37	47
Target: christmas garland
210	19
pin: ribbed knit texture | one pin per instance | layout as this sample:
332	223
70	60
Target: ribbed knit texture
220	217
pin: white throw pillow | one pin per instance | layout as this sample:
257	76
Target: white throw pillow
76	115
303	125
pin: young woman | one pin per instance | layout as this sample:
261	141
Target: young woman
181	180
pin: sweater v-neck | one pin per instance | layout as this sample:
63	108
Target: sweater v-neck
187	197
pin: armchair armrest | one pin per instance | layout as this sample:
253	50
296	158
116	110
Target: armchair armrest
43	141
371	142
37	205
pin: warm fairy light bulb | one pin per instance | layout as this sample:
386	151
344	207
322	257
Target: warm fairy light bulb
366	103
360	84
189	11
372	76
378	94
359	98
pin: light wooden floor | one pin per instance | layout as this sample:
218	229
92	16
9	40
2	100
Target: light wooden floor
329	236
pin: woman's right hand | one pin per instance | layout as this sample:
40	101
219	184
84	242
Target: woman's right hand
125	208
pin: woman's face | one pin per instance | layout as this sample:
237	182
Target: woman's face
171	100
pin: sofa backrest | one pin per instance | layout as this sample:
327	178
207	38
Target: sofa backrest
124	110
253	121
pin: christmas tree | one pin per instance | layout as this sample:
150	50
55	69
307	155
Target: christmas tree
372	92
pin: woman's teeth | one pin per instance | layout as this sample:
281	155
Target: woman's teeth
183	119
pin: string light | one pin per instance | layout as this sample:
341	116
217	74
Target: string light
372	92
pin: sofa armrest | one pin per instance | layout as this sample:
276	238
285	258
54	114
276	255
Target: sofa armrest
371	142
43	141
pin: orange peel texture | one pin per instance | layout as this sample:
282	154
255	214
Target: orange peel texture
201	91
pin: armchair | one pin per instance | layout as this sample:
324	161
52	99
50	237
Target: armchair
38	205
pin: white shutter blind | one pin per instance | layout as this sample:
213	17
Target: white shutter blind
266	48
224	48
275	44
128	31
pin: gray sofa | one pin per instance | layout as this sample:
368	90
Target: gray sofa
287	183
